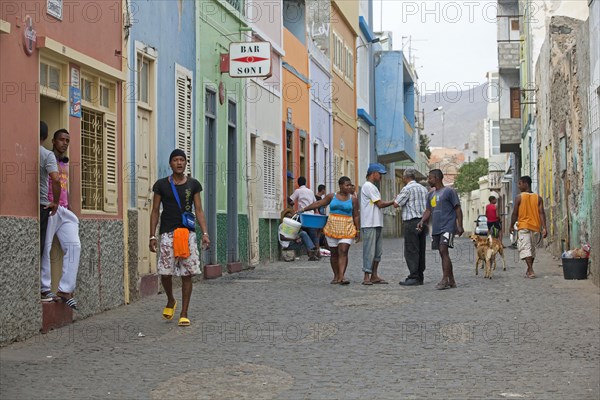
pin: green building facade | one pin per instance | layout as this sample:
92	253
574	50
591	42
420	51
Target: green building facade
220	141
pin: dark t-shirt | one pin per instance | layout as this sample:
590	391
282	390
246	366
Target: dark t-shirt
170	218
442	204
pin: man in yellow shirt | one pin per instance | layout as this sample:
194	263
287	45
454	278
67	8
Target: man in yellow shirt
530	217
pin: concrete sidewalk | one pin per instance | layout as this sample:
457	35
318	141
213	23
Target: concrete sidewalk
282	331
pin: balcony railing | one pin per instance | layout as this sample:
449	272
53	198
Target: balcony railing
237	4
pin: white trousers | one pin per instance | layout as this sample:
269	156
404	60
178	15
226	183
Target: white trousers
65	225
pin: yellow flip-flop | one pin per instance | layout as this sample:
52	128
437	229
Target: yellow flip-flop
183	321
169	312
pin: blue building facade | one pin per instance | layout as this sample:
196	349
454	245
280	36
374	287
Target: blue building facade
395	108
160	53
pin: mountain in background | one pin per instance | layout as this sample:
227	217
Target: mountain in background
463	112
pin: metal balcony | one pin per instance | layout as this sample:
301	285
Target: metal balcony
237	4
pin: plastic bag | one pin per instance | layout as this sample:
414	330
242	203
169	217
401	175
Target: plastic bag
567	254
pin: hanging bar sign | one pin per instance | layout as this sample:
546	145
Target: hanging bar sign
249	59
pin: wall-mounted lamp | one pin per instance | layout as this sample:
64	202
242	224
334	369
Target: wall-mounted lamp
375	40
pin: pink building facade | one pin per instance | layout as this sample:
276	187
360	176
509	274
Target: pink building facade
61	63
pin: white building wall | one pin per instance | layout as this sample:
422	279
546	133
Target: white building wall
543	10
363	149
264	130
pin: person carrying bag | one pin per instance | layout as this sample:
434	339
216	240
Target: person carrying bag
177	244
181	236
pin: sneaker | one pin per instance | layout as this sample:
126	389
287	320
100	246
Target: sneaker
411	282
47	296
70	301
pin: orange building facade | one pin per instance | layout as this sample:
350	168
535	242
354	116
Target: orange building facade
296	113
343	61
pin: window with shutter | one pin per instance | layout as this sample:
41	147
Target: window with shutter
350	172
51	76
183	113
337	167
110	163
269	188
325	164
315	167
303	157
515	102
92	149
99	145
289	154
350	65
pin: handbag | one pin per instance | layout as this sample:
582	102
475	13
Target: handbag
187	218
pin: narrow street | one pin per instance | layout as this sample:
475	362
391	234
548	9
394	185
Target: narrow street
282	331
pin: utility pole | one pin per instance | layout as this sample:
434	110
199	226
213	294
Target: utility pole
441	108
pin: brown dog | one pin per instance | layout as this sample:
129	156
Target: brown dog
486	250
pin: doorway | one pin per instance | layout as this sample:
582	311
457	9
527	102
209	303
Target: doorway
210	170
232	178
143	154
52	112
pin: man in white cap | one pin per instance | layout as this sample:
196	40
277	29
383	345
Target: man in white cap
371	223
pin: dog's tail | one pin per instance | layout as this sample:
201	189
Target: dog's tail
490	240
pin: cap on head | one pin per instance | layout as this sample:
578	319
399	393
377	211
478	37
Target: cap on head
177	153
376	167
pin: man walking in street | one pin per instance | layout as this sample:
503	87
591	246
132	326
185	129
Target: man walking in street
65	225
493	218
530	217
48	178
371	222
303	197
413	200
178	255
443	206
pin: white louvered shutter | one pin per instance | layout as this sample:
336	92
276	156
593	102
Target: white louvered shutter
183	113
269	177
110	167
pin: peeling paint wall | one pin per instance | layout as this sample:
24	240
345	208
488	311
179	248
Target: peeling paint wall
593	144
564	140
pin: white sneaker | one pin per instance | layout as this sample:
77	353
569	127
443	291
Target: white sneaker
47	296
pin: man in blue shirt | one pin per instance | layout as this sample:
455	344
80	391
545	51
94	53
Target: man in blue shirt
443	206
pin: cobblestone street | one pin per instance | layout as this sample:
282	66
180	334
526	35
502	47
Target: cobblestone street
282	331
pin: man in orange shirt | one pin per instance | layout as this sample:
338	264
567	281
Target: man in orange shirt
530	217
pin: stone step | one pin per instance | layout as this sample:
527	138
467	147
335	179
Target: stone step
54	315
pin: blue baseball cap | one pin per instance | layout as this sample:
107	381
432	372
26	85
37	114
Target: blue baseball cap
376	167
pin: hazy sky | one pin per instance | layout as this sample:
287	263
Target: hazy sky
453	42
